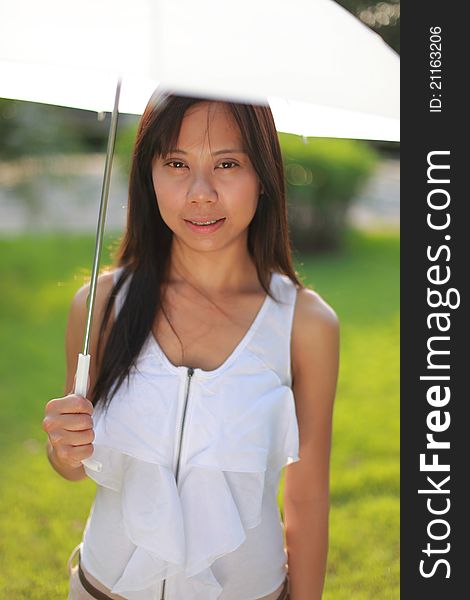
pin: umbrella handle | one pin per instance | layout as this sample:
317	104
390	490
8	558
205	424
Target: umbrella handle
81	383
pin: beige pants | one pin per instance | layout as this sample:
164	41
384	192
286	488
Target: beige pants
78	592
76	589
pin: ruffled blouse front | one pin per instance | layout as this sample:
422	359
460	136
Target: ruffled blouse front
240	429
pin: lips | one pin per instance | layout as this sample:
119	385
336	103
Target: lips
204	219
205	229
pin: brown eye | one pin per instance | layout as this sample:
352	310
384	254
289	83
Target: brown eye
228	162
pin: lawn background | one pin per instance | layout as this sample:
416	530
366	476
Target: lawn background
42	516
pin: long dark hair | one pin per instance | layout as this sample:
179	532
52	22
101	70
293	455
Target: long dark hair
144	250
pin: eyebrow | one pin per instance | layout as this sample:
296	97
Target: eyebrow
223	151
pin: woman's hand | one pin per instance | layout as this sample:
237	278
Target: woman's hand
68	423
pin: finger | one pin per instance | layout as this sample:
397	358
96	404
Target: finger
64	440
69	404
76	422
80	438
73	455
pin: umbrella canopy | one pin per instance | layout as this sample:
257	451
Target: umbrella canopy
323	72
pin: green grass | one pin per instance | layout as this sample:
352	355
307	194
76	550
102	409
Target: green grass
42	516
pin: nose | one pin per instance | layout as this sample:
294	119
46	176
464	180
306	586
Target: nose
201	189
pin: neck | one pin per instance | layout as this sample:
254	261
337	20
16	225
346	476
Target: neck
227	270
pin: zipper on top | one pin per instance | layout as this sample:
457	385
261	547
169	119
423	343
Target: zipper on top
190	373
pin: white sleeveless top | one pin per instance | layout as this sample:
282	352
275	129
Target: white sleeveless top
214	530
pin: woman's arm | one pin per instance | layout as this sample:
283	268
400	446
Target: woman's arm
73	346
315	364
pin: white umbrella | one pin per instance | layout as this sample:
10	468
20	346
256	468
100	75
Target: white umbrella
323	72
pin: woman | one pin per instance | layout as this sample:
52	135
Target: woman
219	369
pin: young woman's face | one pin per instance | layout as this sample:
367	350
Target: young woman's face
195	182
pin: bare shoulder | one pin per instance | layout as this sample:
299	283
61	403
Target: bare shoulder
313	316
104	285
315	331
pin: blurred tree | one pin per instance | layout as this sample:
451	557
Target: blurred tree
382	17
30	129
323	177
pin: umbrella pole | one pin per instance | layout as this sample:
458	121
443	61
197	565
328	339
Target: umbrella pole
81	377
